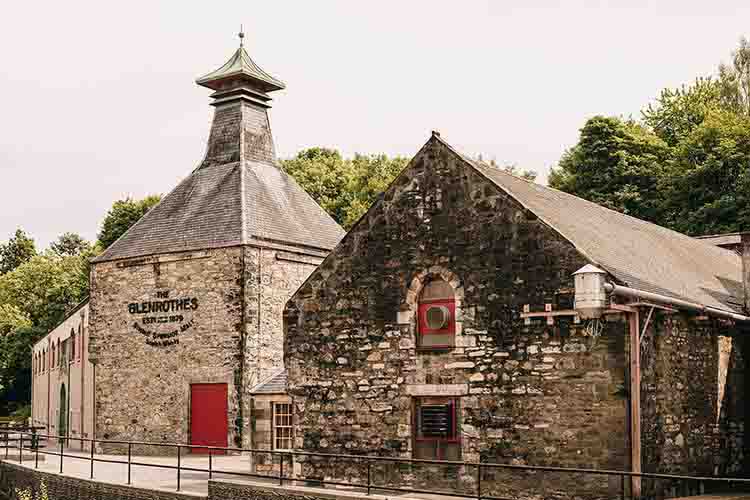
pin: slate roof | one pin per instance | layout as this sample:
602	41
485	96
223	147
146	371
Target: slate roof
722	240
240	65
275	384
636	253
228	205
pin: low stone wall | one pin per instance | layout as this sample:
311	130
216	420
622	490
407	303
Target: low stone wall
248	490
62	487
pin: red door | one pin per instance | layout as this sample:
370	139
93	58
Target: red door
208	416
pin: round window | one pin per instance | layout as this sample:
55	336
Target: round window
437	317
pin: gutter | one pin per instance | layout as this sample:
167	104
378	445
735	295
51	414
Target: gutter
663	299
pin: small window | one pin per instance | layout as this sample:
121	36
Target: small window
72	345
282	426
436	429
436	316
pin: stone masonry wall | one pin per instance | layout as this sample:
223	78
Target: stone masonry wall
142	390
60	487
272	275
234	336
735	408
532	394
679	388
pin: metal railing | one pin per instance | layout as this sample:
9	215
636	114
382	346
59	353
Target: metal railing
29	441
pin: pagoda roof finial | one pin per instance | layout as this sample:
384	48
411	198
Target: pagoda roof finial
240	71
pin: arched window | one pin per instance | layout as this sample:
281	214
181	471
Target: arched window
437	315
44	360
72	345
52	358
59	354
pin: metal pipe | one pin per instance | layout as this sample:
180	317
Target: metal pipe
663	299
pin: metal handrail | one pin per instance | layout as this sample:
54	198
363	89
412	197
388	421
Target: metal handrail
33	446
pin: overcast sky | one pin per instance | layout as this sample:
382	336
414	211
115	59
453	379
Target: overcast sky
98	100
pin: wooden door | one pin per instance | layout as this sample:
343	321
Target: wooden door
208	416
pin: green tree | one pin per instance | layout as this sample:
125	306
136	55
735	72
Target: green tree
345	188
616	163
734	79
371	175
677	112
45	287
19	249
707	189
325	175
511	168
122	215
15	366
70	244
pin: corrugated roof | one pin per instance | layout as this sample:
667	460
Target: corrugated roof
206	211
637	253
275	384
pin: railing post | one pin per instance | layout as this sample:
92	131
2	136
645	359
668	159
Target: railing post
281	468
62	453
622	486
20	449
92	458
291	465
36	453
369	474
7	443
178	467
130	452
210	464
479	481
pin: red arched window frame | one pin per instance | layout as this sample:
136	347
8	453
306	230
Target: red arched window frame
437	295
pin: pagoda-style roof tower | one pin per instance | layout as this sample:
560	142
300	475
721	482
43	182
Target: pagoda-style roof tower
238	194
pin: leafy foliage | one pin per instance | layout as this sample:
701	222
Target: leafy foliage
70	244
734	80
707	190
511	168
28	494
19	249
122	215
345	188
617	164
685	165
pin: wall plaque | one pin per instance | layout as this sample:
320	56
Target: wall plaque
162	319
437	389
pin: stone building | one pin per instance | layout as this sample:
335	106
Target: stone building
62	389
445	325
186	307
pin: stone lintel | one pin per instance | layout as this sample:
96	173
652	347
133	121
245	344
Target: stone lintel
437	389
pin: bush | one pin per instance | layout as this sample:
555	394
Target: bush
22	413
27	494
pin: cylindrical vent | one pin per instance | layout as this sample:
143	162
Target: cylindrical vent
590	297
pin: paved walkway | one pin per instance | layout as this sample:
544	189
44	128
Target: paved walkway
78	464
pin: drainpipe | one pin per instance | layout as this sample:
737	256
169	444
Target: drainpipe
663	299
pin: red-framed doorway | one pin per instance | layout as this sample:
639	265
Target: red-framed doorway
208	417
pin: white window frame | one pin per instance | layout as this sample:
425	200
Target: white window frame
282	427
